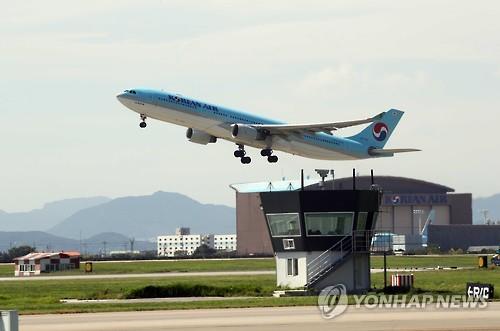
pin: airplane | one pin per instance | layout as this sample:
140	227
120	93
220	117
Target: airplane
207	123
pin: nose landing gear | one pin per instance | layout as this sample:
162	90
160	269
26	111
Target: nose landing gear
143	123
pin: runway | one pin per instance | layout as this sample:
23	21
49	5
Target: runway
289	319
145	275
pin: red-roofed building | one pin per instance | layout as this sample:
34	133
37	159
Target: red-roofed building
36	263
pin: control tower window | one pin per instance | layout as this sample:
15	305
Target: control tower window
362	220
328	224
374	220
284	225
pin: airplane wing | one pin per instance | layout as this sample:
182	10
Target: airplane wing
391	152
312	128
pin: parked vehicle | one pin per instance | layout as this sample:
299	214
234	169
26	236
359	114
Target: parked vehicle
496	260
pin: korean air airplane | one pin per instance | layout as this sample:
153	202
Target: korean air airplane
207	123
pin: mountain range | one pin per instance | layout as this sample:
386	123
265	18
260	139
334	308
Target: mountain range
96	222
491	204
148	216
68	223
47	242
48	216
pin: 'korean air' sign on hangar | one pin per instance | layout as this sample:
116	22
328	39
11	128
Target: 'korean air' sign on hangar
414	199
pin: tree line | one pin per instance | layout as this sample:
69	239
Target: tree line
12	253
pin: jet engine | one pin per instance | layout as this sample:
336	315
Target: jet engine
246	132
199	137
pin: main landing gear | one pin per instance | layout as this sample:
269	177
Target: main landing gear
143	123
240	152
269	153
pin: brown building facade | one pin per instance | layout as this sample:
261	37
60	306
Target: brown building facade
251	224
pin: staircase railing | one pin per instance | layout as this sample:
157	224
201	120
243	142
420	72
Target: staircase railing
362	240
326	260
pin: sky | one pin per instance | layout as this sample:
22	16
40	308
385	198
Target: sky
63	134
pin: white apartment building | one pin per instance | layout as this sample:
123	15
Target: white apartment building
224	242
186	244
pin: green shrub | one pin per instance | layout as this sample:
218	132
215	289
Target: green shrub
193	290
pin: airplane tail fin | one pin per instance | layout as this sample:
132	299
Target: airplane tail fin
377	134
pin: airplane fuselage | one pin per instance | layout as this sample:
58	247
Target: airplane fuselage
216	121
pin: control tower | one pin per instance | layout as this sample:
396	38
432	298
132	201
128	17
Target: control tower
322	238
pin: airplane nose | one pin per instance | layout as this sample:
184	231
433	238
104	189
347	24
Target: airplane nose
122	98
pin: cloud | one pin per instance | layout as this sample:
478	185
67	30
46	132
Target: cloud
329	77
336	60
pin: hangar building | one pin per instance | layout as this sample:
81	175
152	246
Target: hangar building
465	236
33	264
406	204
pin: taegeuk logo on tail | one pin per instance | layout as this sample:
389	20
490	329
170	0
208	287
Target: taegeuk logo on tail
380	131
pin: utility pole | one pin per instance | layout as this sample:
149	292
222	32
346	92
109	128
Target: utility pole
385	270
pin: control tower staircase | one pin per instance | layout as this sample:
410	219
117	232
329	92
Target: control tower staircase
334	257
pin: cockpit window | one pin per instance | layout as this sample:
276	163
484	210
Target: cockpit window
130	91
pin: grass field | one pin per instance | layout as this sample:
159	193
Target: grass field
447	281
251	264
43	296
124	267
424	261
6	270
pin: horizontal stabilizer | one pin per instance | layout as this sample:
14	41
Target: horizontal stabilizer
391	152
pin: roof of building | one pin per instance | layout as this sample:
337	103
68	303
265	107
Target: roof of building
389	184
272	186
45	255
72	253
